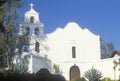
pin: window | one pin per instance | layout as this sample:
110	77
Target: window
26	48
32	19
36	31
27	31
73	52
37	47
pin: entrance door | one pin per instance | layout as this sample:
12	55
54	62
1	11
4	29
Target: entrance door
74	73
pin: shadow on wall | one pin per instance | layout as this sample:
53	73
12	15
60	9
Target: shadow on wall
41	75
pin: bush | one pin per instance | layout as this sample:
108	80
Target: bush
45	75
93	75
58	78
41	75
80	79
106	79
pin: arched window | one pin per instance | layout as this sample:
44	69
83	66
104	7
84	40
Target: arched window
73	52
36	31
27	30
26	48
32	19
37	47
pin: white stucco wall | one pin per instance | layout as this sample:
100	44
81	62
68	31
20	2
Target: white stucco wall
105	66
61	42
87	45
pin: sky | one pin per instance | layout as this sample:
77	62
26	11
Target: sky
101	17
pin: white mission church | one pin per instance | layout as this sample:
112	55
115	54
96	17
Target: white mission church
73	49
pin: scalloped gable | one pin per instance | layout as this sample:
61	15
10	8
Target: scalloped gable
62	39
88	32
55	33
72	28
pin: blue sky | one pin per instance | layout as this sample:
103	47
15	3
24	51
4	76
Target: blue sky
102	17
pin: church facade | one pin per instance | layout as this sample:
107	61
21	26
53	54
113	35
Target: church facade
77	50
72	49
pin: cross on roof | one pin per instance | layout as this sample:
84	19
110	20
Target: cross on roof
31	5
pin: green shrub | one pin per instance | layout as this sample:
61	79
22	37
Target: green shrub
93	75
80	79
41	75
106	79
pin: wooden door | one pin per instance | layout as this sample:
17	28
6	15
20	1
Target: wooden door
74	73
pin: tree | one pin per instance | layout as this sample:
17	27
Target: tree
93	75
8	27
56	69
106	49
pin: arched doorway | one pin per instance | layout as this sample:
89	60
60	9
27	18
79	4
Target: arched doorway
74	73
